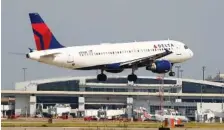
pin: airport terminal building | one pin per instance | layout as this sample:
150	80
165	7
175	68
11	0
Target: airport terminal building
84	93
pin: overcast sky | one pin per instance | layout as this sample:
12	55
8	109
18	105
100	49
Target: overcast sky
199	24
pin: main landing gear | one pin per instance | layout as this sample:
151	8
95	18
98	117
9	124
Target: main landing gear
132	77
102	76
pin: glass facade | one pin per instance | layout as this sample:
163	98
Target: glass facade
139	81
72	85
108	106
109	80
53	100
214	100
189	87
89	89
56	99
106	89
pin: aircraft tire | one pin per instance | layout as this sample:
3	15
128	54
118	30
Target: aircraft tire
101	77
171	73
132	77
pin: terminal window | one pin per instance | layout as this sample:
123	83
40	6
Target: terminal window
189	87
139	81
59	86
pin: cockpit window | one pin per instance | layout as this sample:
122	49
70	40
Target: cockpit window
185	47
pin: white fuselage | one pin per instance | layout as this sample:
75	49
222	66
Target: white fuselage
94	55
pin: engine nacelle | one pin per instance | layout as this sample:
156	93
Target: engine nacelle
114	70
113	66
160	66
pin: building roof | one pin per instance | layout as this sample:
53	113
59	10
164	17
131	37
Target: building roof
83	79
17	92
221	75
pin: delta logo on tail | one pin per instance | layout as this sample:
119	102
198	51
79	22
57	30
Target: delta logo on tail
44	38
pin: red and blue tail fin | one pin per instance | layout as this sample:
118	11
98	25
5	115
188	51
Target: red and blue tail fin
43	36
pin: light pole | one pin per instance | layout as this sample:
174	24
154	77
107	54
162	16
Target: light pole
24	74
222	98
201	96
203	70
26	111
219	76
181	71
201	104
178	69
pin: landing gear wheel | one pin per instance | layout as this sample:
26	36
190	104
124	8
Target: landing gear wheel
132	77
171	73
101	77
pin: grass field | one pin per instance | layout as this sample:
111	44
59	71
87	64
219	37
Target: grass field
27	123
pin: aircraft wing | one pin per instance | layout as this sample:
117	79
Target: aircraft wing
147	59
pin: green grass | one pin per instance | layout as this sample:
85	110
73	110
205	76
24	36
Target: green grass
83	124
204	125
105	124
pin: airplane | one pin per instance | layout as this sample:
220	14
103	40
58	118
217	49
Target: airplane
156	56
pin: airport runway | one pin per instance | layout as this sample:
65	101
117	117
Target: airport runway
102	128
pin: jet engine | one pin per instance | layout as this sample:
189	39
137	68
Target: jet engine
113	68
160	66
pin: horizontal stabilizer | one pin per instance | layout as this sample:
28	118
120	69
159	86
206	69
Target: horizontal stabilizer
50	55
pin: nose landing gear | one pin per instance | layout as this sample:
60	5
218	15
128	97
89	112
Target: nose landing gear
171	73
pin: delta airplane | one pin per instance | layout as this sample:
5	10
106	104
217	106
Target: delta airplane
156	56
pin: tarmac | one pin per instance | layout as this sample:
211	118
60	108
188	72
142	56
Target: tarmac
103	128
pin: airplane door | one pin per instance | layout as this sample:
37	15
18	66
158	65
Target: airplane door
178	51
70	59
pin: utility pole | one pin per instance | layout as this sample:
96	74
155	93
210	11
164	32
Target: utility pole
203	69
24	74
178	69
